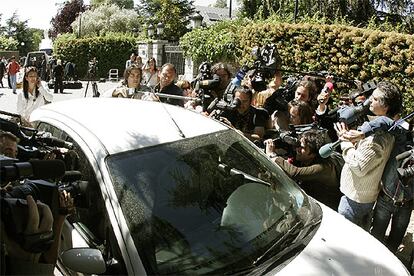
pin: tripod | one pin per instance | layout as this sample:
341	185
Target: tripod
95	92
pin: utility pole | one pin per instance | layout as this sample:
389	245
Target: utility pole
230	7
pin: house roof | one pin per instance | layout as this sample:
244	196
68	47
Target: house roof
212	15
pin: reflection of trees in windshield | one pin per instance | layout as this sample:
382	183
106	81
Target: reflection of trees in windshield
182	196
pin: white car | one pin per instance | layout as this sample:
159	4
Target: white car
174	192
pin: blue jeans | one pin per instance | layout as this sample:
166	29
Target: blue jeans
384	211
358	213
13	82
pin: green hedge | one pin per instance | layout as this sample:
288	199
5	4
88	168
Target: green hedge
111	51
348	52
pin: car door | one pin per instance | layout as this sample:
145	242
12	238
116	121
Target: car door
90	226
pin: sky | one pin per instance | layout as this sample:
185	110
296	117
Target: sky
40	12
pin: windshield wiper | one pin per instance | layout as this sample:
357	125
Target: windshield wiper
289	234
232	171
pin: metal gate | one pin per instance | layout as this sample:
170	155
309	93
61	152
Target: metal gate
174	54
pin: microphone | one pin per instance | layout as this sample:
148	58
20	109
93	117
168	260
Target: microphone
328	87
236	81
35	169
326	150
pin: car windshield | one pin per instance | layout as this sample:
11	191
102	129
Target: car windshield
209	204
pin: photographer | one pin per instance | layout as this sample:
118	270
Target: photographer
365	159
317	176
8	144
222	70
130	85
247	118
298	113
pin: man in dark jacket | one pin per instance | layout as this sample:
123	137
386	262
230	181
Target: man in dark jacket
58	75
167	86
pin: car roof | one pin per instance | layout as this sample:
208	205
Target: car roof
126	124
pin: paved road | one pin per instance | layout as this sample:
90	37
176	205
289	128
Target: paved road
8	100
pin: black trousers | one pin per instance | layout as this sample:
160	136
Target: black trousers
58	85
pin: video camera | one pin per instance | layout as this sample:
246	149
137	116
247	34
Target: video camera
288	140
204	83
92	68
266	62
355	114
14	209
33	144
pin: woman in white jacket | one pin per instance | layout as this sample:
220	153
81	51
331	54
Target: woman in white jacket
34	94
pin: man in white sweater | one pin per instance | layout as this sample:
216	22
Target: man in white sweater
365	158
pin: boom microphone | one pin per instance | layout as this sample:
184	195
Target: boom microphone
35	169
326	150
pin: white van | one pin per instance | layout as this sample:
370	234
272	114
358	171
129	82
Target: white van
171	191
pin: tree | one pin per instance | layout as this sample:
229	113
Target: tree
123	4
174	14
107	18
61	23
21	33
220	4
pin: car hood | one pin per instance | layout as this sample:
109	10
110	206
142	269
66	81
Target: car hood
340	247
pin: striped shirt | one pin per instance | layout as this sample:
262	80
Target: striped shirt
364	164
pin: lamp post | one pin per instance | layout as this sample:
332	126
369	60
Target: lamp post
196	20
160	30
150	30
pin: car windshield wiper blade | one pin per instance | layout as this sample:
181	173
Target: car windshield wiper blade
232	171
289	234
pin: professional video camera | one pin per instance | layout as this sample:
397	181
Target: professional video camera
92	68
288	140
266	62
14	209
33	143
204	83
355	114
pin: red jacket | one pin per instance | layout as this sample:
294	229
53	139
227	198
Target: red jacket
13	68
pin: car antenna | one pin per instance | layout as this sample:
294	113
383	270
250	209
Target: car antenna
157	96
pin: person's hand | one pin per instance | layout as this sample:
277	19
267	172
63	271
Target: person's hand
39	220
341	128
226	121
323	97
269	147
354	135
66	204
40	217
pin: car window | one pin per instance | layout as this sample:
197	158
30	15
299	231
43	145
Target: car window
91	213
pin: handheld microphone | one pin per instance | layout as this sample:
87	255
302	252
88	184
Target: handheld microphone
328	87
236	81
35	169
326	150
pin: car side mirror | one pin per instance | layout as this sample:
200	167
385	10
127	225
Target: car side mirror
84	260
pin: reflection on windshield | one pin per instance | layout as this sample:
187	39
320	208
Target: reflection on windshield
205	205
